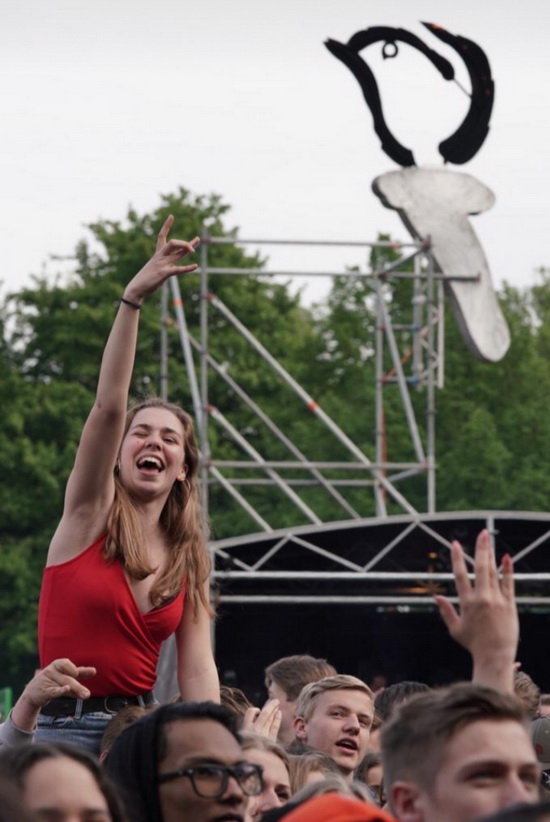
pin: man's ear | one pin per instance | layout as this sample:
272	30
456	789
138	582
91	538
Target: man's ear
300	731
405	801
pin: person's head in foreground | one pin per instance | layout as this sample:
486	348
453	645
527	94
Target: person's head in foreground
118	723
388	700
330	807
335	715
273	760
334	784
455	754
184	761
310	767
59	782
284	680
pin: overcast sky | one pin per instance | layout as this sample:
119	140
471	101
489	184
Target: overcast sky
107	103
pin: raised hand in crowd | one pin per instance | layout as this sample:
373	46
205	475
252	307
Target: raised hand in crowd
486	624
265	722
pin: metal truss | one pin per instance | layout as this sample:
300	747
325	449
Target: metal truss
424	359
396	560
393	559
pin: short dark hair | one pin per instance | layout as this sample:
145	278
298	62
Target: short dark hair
120	721
135	754
413	739
291	673
234	699
16	762
387	700
180	711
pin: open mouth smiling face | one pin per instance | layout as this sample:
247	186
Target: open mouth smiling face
153	447
339	726
150	465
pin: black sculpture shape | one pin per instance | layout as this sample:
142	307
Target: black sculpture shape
469	137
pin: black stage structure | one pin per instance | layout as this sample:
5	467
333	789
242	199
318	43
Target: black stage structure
313	595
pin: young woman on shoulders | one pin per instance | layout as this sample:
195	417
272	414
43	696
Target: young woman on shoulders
127	565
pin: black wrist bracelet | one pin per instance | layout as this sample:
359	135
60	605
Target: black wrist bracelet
131	304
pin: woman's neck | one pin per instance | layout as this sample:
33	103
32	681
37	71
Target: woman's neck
149	513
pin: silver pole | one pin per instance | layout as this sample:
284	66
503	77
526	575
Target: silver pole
381	576
307	465
419	301
177	302
202	420
430	390
401	380
380	426
337	243
441	334
300	483
405	601
164	342
356	275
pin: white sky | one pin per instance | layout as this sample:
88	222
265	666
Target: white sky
107	103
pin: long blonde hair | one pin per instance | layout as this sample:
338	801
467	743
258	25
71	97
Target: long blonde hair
181	520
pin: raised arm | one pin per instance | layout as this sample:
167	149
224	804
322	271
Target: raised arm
90	489
487	625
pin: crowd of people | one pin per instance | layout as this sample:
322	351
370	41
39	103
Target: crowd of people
409	752
127	567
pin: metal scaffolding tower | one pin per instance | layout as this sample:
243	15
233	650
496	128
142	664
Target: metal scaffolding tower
392	558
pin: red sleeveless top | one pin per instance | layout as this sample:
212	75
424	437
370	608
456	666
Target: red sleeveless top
87	612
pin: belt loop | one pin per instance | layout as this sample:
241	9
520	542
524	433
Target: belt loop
78	709
140	701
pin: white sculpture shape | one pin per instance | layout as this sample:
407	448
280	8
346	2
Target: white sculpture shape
436	203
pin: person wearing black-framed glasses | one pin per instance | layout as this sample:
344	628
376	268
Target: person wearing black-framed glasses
210	780
184	761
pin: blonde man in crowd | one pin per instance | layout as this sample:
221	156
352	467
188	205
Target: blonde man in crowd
335	716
